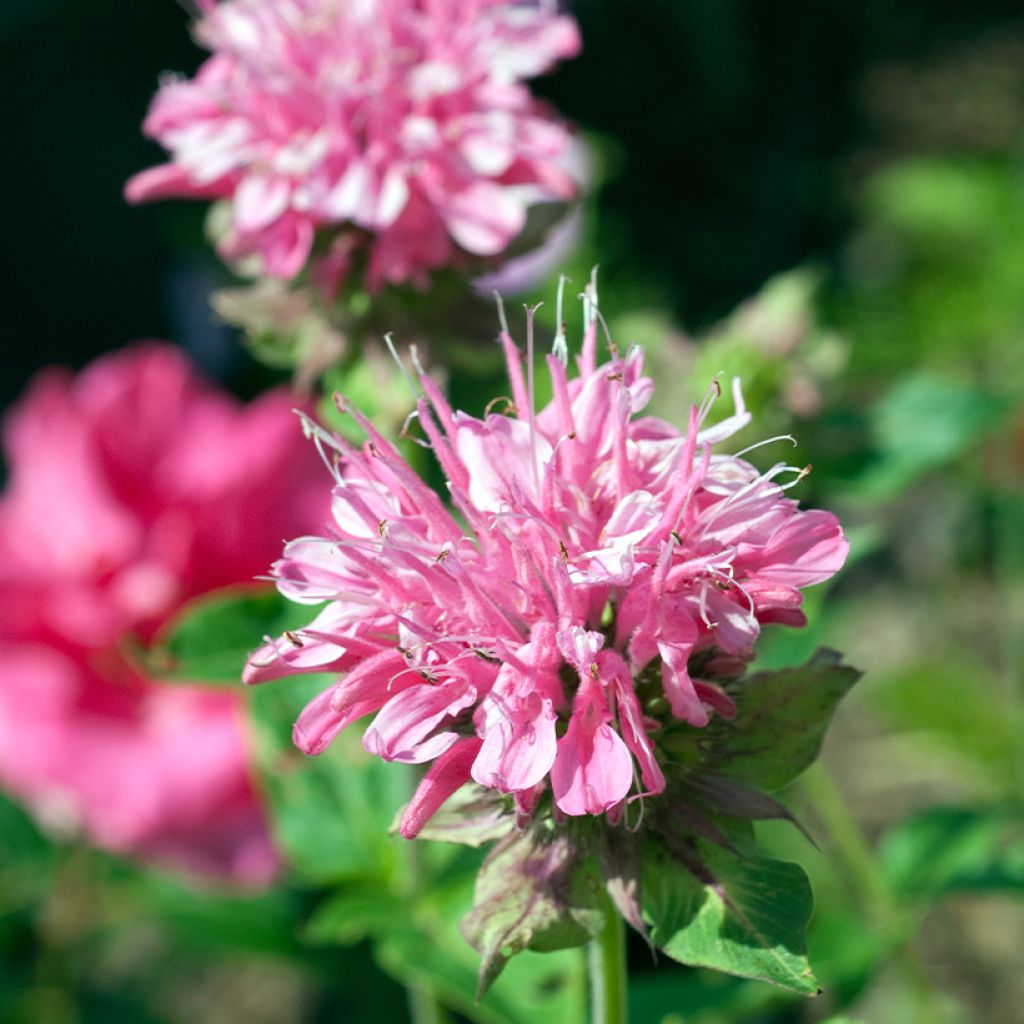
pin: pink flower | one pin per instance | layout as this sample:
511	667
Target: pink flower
600	571
134	487
401	126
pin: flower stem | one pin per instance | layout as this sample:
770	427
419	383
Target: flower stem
880	907
606	970
424	1006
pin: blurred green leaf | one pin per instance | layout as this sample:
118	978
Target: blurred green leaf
745	915
351	915
938	199
331	814
670	994
211	639
956	850
256	922
928	701
923	423
26	859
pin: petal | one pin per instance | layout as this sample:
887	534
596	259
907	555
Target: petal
579	647
631	719
484	218
318	724
678	687
593	769
446	775
403	729
259	200
519	743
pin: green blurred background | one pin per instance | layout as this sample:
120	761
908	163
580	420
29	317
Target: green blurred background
824	198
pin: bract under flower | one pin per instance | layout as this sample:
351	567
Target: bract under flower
537	637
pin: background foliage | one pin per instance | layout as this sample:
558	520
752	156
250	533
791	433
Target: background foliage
827	198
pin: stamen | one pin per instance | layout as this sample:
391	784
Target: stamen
713	393
510	406
502	319
389	341
766	441
530	314
560	348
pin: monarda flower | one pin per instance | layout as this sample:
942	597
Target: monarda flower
595	573
134	487
398	128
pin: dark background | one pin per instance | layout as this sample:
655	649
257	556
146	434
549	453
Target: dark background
733	129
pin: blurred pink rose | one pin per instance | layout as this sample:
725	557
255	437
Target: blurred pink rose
132	488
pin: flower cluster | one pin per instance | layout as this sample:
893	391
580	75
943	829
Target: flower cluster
402	125
598	572
133	488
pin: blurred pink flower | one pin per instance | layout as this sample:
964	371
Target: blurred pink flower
402	124
534	639
134	487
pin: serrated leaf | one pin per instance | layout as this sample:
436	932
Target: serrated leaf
745	916
781	718
531	894
735	799
212	637
620	857
956	850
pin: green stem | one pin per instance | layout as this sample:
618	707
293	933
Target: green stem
849	841
424	1006
880	907
606	969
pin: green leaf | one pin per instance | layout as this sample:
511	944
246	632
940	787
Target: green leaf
330	814
781	718
217	920
26	859
745	915
531	893
671	994
927	421
956	850
211	639
353	914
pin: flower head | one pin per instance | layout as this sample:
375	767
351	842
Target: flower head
598	571
134	487
403	127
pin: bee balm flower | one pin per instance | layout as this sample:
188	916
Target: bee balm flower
398	127
599	571
134	487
